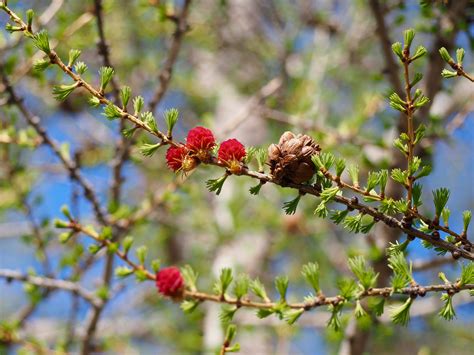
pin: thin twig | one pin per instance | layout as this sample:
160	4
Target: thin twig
410	129
51	283
166	73
382	32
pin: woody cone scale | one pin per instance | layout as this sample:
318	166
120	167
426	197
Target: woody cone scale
290	159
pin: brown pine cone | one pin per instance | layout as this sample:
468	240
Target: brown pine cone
290	159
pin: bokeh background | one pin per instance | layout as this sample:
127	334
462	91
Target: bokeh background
250	70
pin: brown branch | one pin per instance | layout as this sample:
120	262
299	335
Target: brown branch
103	47
324	301
166	73
382	32
410	129
50	283
320	300
142	328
